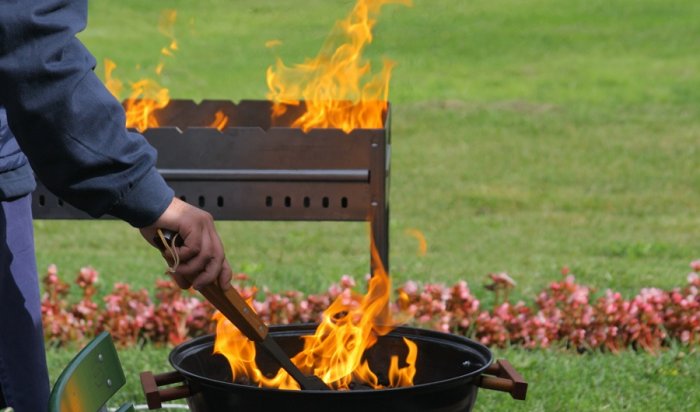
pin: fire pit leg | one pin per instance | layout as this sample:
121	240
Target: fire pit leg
380	159
380	231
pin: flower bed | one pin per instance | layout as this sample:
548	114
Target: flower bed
564	314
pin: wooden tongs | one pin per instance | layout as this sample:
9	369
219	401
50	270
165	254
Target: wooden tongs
232	305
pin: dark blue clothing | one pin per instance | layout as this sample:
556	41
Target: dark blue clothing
72	131
23	374
16	177
66	122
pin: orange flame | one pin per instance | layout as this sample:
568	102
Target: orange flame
422	243
220	120
147	96
352	324
337	85
404	376
273	43
166	24
113	85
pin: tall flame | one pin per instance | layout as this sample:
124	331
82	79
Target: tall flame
114	85
339	91
352	324
337	85
147	95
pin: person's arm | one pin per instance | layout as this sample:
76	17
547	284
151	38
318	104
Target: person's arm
66	122
73	133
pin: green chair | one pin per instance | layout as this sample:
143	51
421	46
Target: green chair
90	379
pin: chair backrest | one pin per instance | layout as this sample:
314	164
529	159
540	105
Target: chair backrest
90	379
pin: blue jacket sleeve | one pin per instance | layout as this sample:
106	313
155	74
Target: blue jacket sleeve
66	122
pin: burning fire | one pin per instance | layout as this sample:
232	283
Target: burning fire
422	243
352	324
337	85
220	121
340	92
147	95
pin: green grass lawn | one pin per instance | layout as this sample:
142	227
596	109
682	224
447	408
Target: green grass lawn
559	381
527	135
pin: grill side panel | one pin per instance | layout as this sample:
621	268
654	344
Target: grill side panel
254	170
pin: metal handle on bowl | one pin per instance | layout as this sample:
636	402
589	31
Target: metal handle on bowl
501	376
155	396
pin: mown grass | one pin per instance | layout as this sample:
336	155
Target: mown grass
558	380
527	135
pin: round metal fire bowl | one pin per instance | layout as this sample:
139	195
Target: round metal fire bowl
449	371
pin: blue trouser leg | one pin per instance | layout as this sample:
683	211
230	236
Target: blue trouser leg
23	373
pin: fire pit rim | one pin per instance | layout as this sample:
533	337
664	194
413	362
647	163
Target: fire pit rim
462	343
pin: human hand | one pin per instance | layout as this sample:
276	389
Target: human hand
201	256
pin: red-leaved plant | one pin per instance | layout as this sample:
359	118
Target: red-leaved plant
564	314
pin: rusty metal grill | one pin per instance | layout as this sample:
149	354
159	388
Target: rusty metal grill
260	169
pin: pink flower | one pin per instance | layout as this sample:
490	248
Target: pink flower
695	265
502	278
347	281
410	287
562	313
